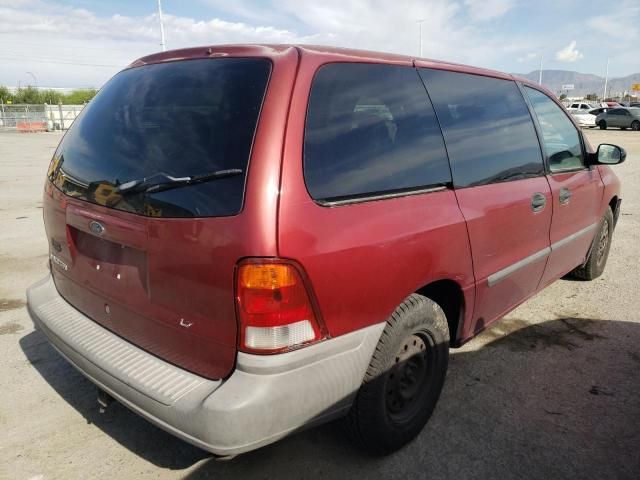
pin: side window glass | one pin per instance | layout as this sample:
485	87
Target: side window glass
371	129
487	127
560	136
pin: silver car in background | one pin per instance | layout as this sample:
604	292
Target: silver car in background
621	117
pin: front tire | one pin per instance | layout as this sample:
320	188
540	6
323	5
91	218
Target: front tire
602	124
597	260
404	379
635	125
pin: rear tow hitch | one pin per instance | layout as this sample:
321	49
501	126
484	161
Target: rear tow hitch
104	400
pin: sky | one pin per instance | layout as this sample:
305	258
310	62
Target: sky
82	43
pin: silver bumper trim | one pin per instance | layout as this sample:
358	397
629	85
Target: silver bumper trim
574	236
265	398
505	272
146	373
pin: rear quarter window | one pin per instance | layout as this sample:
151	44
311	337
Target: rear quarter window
370	130
487	127
180	119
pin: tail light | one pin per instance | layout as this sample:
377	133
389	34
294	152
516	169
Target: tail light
275	308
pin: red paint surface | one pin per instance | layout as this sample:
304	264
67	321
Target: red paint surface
362	260
173	269
584	208
503	230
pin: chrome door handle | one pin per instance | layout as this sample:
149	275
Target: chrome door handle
538	202
564	196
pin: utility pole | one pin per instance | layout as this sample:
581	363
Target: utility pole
162	44
540	75
420	22
606	79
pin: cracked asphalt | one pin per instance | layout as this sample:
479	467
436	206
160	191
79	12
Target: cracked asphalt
550	391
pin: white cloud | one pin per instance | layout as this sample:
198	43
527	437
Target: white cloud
569	53
528	57
66	46
622	24
483	10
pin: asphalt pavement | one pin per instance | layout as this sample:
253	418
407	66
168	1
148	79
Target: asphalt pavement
550	391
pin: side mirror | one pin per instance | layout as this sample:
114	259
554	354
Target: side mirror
608	155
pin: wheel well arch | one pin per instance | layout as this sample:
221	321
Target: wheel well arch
448	294
613	203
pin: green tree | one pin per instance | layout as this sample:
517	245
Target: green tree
28	95
33	95
563	96
592	97
52	97
5	94
78	97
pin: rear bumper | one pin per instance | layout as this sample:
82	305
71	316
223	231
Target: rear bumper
265	398
587	123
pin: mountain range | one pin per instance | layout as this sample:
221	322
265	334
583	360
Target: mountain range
584	83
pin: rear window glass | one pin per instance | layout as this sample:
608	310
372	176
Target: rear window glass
166	121
489	132
371	129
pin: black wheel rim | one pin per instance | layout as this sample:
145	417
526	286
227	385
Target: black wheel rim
603	241
636	126
409	378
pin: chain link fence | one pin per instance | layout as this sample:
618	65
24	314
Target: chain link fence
37	118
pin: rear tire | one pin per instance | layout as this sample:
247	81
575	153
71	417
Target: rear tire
404	379
597	260
635	125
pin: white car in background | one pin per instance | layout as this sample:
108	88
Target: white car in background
584	118
580	106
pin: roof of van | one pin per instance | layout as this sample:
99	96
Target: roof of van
337	53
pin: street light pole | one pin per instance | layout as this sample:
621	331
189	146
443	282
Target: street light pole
606	79
35	80
540	75
420	22
162	44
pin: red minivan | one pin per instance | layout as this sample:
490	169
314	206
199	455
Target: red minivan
249	240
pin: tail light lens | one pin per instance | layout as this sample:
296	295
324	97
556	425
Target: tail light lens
275	309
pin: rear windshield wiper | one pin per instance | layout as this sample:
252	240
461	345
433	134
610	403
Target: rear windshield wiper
163	181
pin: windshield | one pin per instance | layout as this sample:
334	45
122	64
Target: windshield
185	119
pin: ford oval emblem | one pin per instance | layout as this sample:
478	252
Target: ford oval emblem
96	227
